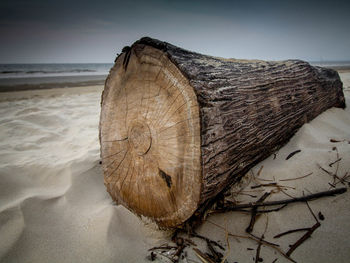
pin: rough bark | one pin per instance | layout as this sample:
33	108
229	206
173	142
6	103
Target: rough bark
247	110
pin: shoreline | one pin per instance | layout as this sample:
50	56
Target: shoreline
51	92
40	83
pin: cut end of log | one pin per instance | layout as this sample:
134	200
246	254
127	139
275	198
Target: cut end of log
150	137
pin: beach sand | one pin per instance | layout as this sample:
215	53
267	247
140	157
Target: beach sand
54	206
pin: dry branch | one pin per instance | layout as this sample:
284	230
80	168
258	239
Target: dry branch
292	231
234	207
303	238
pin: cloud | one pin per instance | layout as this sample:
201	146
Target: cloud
91	31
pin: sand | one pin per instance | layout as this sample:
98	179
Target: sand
54	206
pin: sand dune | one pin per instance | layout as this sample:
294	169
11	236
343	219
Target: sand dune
54	206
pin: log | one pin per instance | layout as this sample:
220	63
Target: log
178	128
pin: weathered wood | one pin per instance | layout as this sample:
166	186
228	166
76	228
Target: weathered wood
177	127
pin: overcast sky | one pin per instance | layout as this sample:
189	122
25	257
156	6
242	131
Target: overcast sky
95	31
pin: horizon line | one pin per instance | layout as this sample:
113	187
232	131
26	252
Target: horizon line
310	61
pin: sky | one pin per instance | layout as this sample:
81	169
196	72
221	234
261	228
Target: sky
46	31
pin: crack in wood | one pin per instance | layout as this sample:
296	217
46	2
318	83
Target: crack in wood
127	51
165	177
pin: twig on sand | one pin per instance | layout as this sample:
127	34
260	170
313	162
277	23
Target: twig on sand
292	154
214	255
217	255
330	165
227	242
162	248
259	172
271	210
303	238
203	257
276	247
173	253
249	229
326	171
312	213
264	241
296	178
194	234
234	207
335	176
307	234
261	185
257	256
334	140
292	231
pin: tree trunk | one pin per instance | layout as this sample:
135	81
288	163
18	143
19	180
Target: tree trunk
177	128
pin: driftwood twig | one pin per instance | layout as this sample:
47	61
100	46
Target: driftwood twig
249	229
234	207
203	257
292	231
292	154
257	256
303	238
338	160
252	237
296	178
261	185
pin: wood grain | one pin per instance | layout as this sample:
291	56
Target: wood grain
150	138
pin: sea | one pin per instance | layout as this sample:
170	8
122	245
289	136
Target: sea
338	65
14	77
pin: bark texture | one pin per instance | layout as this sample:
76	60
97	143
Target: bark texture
248	109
